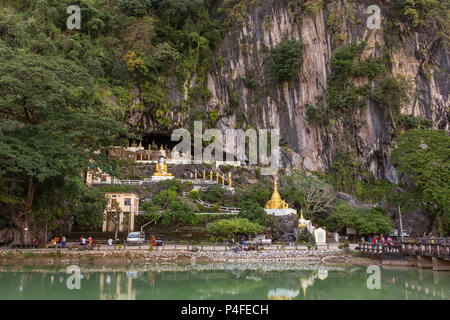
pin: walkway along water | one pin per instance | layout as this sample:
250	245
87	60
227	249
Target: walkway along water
424	253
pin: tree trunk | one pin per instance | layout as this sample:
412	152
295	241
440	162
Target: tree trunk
23	219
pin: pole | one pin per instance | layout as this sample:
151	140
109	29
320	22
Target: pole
401	224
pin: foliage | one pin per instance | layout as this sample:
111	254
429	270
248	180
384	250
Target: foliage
344	172
88	208
409	121
423	157
253	212
313	6
213	117
315	114
314	196
258	193
286	60
360	219
391	94
342	93
169	208
428	13
52	123
235	226
213	194
136	8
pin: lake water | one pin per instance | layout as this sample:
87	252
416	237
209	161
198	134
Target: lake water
225	282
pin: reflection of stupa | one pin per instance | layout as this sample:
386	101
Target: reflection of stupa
277	206
282	294
305	283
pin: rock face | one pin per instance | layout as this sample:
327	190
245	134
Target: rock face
283	227
416	221
351	200
265	24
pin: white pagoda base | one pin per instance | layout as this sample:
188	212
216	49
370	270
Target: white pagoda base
161	178
280	212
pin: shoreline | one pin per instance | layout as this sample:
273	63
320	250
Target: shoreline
33	257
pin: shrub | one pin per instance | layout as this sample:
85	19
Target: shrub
408	121
314	114
313	6
193	194
136	8
286	59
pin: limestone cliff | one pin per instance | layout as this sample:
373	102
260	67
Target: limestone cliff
262	24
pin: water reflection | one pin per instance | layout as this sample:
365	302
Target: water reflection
317	282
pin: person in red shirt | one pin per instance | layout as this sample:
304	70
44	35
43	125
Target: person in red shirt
153	241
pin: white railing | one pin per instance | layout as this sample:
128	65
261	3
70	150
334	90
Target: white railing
231	210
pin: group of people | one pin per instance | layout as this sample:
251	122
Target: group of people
86	242
375	239
51	243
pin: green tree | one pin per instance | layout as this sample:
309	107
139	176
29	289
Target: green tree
88	208
360	219
423	157
309	193
252	211
233	227
391	94
52	125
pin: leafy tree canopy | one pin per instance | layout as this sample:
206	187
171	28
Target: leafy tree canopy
423	157
235	226
362	220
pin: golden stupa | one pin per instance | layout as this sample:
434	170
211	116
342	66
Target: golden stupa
301	221
275	201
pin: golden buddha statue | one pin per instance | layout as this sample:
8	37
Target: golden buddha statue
161	168
204	174
275	201
229	179
210	175
223	180
195	174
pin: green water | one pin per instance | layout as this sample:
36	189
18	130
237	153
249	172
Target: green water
230	282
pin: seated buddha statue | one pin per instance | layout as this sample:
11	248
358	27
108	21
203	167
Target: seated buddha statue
161	168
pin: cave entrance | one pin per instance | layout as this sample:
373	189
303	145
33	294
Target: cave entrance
155	141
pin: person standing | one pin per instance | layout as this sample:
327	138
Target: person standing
63	242
362	239
83	241
389	243
424	239
153	241
110	242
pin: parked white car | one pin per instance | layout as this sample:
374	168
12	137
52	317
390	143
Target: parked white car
261	239
136	238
